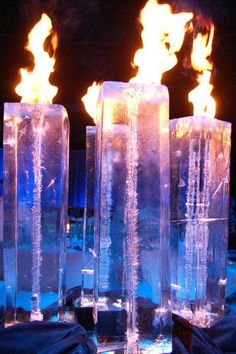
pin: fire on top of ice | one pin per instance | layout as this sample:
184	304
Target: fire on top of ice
162	37
201	98
90	99
35	86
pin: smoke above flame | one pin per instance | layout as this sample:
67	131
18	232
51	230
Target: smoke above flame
200	97
90	99
162	36
34	86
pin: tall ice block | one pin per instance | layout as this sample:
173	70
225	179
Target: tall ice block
88	222
35	210
200	174
84	304
132	283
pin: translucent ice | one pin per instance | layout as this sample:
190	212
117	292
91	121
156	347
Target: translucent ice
200	158
86	299
35	209
132	280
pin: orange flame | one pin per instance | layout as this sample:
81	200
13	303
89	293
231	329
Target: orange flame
35	86
90	99
200	97
162	36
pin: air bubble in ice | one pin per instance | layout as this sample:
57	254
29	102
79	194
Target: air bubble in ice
181	183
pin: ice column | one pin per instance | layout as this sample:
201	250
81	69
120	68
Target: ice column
200	173
36	146
84	305
132	280
88	226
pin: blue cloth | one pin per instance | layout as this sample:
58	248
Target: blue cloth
45	338
56	338
218	339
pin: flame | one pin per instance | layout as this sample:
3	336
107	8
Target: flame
35	86
162	36
90	99
200	97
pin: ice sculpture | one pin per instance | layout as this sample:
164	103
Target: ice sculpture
84	304
35	210
86	298
88	222
200	174
132	283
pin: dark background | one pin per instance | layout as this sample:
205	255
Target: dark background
97	41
